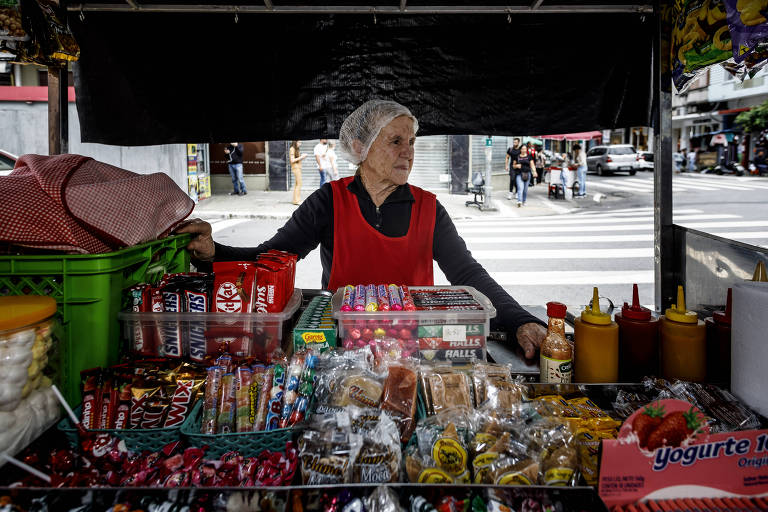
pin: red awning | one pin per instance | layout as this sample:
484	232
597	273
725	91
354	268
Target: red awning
574	136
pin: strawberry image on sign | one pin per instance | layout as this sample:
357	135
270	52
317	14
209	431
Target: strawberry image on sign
647	422
675	428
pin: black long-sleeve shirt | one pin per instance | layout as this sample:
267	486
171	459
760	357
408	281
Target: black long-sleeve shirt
312	223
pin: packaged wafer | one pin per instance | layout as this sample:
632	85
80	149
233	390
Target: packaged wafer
265	391
225	420
233	286
211	399
275	405
243	381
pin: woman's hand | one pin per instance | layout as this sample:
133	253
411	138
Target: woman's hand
529	337
201	247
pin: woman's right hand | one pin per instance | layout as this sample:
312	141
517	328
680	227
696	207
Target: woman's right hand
201	247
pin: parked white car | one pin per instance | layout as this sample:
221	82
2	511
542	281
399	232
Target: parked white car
613	158
7	161
644	161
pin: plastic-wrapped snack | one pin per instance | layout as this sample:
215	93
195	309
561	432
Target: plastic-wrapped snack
244	415
379	458
399	396
359	388
555	405
724	411
554	443
275	407
265	391
484	445
748	25
446	388
211	399
589	434
225	421
292	379
327	450
515	464
382	499
438	451
11	28
482	373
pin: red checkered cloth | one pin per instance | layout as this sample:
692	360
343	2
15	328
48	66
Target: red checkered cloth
74	203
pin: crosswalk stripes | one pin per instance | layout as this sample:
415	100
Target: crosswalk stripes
559	257
680	183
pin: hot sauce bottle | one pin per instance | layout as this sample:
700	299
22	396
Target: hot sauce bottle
638	341
719	343
683	343
556	363
596	343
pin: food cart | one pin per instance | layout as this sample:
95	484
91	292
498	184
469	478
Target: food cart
448	62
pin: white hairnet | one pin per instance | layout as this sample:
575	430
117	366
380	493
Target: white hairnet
362	126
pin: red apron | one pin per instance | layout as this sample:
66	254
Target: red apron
363	255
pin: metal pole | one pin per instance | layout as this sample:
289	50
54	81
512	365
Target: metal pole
663	229
58	111
487	205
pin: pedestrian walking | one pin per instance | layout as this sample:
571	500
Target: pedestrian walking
580	159
532	154
332	159
538	160
524	169
234	152
295	156
692	160
510	163
323	164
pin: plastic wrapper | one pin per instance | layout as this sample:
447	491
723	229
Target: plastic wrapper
748	24
700	37
328	449
383	499
378	460
446	387
10	22
399	396
439	449
495	389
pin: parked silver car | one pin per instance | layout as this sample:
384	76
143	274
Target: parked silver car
614	158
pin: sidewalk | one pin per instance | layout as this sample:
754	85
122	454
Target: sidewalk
277	205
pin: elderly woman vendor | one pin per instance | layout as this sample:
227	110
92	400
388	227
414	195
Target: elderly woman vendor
376	228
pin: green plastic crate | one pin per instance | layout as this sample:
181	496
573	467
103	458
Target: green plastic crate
249	444
89	290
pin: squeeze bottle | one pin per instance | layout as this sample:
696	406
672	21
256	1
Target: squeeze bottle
683	343
719	343
638	341
596	345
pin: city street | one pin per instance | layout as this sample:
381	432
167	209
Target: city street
583	243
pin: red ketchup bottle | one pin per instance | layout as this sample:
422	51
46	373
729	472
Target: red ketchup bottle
719	344
638	341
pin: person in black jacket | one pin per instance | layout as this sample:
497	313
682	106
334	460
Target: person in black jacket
234	152
381	209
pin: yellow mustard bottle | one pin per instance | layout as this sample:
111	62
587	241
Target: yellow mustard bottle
596	345
683	343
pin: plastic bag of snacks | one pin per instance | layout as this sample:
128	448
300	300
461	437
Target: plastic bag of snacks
446	387
748	25
439	449
328	450
378	460
495	389
399	395
11	28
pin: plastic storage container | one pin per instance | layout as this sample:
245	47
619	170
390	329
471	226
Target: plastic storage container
89	290
27	404
449	335
200	335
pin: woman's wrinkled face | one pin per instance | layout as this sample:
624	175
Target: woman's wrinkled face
390	158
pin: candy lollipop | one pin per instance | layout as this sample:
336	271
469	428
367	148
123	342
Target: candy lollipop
359	298
347	302
383	297
395	302
371	300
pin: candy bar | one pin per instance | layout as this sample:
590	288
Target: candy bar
225	420
91	392
197	300
383	297
107	404
181	401
233	286
347	302
170	331
153	412
265	391
144	342
395	299
269	289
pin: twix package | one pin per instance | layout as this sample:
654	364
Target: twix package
233	286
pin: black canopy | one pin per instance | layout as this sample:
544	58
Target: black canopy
162	77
